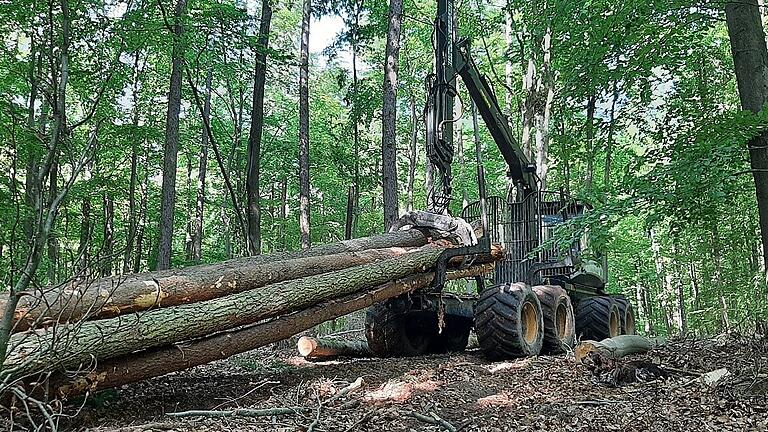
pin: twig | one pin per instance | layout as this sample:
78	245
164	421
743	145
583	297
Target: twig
434	420
316	421
597	402
362	419
260	385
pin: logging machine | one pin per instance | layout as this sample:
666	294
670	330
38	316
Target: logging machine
528	304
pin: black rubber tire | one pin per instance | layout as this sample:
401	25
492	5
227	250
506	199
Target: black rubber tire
393	333
597	318
626	315
454	337
559	321
508	321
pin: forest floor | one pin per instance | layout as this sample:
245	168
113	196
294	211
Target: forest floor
465	391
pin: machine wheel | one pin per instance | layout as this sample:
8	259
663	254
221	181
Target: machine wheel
557	311
391	333
597	318
508	321
626	315
455	335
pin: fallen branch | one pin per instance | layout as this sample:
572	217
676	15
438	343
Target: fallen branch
241	412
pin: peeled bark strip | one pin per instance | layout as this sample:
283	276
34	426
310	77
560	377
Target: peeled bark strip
70	345
110	297
318	348
162	360
615	347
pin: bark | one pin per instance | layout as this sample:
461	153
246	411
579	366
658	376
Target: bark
171	148
256	132
110	297
750	58
324	348
615	347
170	358
304	197
389	115
103	339
197	222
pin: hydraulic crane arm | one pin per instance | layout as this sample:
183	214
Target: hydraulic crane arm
520	170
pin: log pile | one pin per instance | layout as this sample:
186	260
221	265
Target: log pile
115	331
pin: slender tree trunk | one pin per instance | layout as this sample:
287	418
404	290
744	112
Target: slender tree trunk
591	103
355	131
546	86
256	132
413	155
609	143
750	58
197	222
719	288
283	210
83	254
389	115
108	248
53	243
165	243
132	216
528	107
304	191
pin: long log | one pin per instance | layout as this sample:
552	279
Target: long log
68	345
613	348
318	348
113	296
162	360
40	349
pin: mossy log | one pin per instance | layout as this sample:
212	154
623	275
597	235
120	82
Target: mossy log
158	361
113	296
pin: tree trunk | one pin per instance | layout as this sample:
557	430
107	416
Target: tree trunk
750	58
323	348
83	254
197	222
170	151
591	103
389	115
146	364
122	335
108	246
413	155
256	132
53	243
609	140
304	192
109	297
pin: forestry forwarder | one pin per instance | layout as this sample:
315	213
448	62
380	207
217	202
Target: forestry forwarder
528	305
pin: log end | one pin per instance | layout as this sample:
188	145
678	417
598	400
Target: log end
306	345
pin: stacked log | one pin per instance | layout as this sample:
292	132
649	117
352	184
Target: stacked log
120	331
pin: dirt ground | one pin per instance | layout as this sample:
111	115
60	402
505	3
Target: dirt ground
451	392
